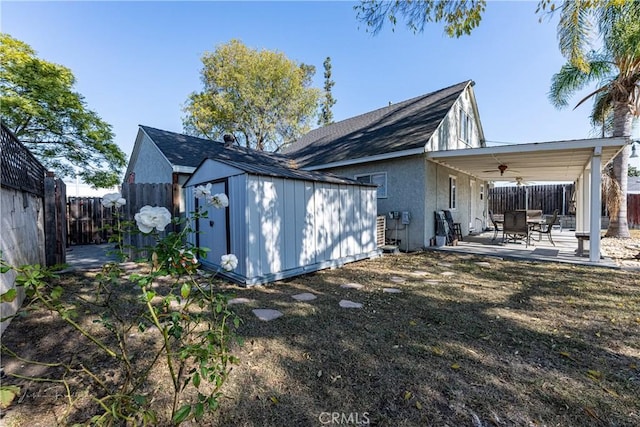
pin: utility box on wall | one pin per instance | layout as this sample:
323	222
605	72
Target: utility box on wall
283	222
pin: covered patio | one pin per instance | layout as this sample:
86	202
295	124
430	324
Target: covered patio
564	250
578	161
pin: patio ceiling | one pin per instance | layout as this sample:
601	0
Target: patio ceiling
541	161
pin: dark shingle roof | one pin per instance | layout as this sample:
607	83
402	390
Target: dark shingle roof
282	172
398	127
190	151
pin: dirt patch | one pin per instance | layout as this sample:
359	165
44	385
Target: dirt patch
496	343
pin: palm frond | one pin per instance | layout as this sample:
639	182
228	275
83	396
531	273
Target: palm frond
565	83
574	32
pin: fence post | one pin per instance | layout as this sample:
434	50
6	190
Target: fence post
50	238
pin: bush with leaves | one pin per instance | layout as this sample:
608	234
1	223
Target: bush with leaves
176	304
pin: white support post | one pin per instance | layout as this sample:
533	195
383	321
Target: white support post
596	203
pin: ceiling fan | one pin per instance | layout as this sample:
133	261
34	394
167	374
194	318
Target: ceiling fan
519	181
502	168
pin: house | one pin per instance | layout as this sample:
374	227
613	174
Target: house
281	221
389	147
160	156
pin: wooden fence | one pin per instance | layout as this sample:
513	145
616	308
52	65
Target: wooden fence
88	221
22	172
551	197
139	195
91	223
633	210
544	197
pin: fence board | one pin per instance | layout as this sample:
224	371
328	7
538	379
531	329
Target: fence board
633	210
544	197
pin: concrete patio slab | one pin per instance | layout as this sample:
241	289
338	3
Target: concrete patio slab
564	250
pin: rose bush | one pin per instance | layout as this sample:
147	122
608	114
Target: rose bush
194	323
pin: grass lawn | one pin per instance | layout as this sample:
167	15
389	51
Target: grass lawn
464	344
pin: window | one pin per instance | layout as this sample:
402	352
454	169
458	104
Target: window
379	178
464	127
481	191
452	192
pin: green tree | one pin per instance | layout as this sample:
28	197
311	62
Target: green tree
615	69
460	17
38	104
326	116
261	95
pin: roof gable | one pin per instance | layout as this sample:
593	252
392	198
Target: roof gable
407	125
190	151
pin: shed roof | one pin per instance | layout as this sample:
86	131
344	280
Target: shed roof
283	172
403	126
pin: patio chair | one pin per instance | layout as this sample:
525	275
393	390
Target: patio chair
546	227
515	227
454	227
496	225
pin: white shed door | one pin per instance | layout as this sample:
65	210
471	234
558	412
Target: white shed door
213	229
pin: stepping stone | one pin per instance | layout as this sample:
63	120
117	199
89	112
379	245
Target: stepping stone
391	290
349	304
483	264
447	273
304	297
419	272
233	301
432	282
397	279
266	314
352	286
445	264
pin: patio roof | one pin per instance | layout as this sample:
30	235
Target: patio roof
540	161
580	161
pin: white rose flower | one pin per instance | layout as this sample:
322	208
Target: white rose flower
113	200
152	217
203	191
218	200
229	262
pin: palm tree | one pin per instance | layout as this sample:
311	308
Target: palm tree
615	67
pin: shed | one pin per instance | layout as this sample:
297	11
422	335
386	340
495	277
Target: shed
282	222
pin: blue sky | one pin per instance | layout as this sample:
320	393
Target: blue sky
136	62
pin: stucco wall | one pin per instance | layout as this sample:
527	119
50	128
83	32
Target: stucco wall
22	240
437	177
150	165
405	192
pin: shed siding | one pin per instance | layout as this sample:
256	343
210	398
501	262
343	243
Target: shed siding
280	227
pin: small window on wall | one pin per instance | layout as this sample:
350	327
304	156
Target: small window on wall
379	178
464	127
452	192
481	191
